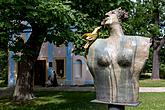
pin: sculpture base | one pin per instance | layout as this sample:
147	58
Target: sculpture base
112	103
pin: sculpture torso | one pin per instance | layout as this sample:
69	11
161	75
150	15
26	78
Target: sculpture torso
115	64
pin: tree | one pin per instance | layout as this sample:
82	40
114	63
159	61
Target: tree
157	45
145	21
49	20
157	41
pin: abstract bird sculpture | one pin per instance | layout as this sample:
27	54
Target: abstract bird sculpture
91	37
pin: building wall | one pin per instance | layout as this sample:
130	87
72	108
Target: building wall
75	67
81	74
11	70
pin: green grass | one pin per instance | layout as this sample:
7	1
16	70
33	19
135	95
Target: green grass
150	101
152	83
54	100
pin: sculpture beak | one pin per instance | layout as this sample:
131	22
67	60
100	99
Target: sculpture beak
106	21
108	13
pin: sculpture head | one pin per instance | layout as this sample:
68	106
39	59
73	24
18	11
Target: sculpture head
114	16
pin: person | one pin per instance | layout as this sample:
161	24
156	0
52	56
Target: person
48	82
54	80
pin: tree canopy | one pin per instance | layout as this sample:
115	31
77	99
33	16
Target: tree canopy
59	16
55	16
49	20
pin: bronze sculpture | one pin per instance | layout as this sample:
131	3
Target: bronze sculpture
116	62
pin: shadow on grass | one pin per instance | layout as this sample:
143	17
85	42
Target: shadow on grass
78	101
54	100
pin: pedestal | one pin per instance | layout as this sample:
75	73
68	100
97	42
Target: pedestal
116	106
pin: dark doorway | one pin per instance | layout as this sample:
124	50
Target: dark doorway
60	68
40	73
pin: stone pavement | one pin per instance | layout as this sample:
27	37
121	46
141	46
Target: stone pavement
5	91
152	89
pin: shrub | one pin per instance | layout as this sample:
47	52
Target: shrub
162	71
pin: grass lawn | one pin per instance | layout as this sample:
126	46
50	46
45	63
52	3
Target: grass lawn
152	83
54	100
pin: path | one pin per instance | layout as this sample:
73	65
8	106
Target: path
76	88
5	91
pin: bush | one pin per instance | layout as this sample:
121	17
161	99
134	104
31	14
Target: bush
3	68
162	71
145	76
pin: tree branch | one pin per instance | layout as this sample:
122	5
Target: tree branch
162	42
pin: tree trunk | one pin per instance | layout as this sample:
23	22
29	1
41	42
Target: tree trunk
24	86
157	45
155	65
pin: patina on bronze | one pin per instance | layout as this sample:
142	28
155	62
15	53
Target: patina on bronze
116	62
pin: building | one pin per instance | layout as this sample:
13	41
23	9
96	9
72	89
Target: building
70	69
